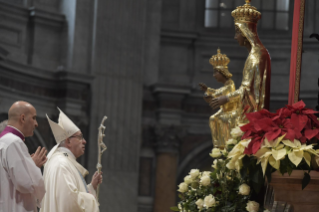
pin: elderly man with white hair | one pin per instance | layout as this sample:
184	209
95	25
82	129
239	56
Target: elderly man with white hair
66	188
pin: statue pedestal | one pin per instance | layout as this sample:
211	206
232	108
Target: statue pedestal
288	189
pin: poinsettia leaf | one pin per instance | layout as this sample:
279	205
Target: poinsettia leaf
309	111
299	105
174	208
256	146
289	170
271	135
305	181
246	161
269	171
299	121
290	134
310	133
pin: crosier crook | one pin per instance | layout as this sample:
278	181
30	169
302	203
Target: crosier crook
101	148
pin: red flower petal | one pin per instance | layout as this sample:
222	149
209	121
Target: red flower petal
299	105
309	133
272	135
290	134
299	121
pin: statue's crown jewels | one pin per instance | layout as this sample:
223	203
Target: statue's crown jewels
246	13
220	62
219	59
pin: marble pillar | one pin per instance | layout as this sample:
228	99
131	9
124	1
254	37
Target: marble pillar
118	64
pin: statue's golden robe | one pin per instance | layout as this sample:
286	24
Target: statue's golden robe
255	87
225	119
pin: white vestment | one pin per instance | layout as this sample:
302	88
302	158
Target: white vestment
22	185
66	189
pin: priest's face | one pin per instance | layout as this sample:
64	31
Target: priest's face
30	122
77	144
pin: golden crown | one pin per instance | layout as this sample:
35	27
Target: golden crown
220	62
246	13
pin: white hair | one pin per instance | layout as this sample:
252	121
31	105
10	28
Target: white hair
62	144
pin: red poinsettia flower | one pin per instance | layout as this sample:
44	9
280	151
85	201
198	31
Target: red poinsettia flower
311	128
299	114
254	144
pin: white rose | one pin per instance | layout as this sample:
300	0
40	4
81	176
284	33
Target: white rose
224	152
183	187
236	132
205	180
215	164
206	173
209	201
216	153
200	204
252	206
244	189
188	179
194	173
231	141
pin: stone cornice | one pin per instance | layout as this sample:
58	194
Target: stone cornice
42	83
40	15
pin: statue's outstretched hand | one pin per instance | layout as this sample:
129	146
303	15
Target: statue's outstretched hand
203	87
207	98
217	102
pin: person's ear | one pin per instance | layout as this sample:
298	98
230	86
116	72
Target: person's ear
22	118
67	142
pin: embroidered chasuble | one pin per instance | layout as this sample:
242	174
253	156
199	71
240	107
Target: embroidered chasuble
65	185
22	185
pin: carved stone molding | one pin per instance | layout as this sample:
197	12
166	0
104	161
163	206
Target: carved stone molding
168	138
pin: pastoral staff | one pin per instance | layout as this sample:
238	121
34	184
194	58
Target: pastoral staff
66	188
22	185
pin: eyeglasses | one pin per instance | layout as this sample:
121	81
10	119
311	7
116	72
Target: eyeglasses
80	137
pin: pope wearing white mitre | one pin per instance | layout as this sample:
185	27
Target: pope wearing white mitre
64	181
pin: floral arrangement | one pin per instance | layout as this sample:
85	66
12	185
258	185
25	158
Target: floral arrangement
220	190
283	141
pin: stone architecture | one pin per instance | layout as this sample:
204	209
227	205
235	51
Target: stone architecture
139	63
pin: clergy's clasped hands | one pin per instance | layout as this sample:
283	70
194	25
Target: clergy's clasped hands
96	179
39	157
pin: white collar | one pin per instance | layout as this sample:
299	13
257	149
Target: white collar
15	129
66	150
78	166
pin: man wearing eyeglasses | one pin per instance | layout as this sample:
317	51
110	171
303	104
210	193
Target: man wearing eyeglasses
64	176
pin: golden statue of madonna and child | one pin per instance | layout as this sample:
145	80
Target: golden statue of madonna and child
254	91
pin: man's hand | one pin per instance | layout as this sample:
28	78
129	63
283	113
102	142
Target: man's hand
39	157
217	102
96	179
203	87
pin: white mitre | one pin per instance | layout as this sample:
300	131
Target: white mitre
62	130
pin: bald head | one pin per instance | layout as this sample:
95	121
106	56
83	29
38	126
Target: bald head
22	115
17	109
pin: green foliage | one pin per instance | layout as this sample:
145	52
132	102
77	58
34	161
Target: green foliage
224	186
305	180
